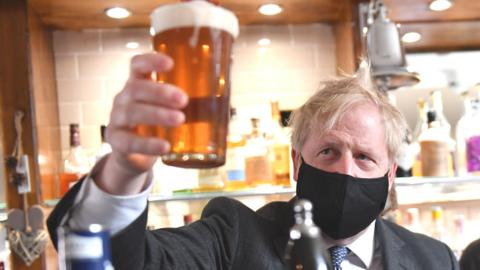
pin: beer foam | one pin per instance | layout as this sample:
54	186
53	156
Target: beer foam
193	14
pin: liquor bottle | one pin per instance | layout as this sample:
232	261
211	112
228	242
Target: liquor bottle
105	147
420	127
444	125
434	148
280	148
76	164
406	157
235	163
412	220
258	166
211	179
305	248
436	104
468	137
461	239
187	219
438	230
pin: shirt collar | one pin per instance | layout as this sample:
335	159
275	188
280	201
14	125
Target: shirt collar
364	245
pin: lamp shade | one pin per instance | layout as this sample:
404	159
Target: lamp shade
386	54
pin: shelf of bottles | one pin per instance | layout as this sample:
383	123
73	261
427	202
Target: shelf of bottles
410	190
258	161
191	195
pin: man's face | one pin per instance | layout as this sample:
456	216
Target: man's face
355	146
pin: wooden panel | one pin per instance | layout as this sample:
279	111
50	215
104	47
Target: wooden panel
15	95
418	11
45	106
27	78
67	14
344	31
76	15
444	36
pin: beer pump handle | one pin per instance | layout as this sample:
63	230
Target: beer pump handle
305	248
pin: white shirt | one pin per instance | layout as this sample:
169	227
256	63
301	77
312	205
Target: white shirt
117	212
364	253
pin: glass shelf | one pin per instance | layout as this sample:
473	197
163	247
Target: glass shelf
415	181
431	190
189	195
410	190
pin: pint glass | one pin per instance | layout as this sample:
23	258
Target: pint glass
199	37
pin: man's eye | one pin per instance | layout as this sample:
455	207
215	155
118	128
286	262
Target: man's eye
325	151
364	157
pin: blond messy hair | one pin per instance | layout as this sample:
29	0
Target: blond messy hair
325	108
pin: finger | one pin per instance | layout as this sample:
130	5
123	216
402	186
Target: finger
126	142
130	115
143	64
154	93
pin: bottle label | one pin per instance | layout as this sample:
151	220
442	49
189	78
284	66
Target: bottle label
235	175
434	158
473	154
83	247
258	170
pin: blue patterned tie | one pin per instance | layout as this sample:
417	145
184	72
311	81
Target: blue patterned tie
338	254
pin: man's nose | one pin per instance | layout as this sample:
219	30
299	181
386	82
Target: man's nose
345	165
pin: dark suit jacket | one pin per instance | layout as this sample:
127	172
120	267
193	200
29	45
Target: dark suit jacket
232	236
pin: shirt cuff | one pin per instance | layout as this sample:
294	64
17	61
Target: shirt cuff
113	212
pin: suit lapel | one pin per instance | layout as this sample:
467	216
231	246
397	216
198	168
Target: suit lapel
395	255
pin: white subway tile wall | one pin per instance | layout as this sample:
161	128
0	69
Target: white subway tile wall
92	67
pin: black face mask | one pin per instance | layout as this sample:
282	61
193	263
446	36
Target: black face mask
343	205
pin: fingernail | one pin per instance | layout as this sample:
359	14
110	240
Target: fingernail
166	146
177	118
180	98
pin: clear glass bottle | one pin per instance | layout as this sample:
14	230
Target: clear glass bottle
258	166
235	163
280	148
443	125
461	239
438	230
105	147
434	148
420	127
211	179
412	220
76	163
406	157
468	138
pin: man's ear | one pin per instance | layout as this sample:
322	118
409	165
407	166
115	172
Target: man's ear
391	175
296	163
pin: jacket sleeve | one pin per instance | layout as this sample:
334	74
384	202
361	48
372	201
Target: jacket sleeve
61	210
209	243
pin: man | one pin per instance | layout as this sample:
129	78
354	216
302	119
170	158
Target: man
344	140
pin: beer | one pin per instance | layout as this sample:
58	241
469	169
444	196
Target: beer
199	37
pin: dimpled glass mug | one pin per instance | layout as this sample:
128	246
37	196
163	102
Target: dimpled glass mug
199	37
